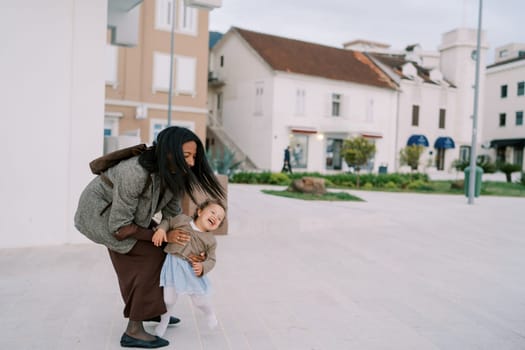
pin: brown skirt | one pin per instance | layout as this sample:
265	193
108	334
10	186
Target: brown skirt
138	275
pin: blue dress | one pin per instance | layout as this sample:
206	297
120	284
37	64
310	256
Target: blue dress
177	272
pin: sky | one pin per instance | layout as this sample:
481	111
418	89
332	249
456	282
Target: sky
399	23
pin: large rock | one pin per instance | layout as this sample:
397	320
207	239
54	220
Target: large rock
313	185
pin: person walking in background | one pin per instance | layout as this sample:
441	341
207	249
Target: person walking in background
179	274
116	209
287	167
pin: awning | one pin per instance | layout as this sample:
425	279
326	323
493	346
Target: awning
444	142
371	135
508	142
303	130
420	140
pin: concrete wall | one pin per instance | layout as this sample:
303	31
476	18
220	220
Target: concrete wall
52	117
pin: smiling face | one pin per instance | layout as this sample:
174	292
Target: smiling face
189	150
210	217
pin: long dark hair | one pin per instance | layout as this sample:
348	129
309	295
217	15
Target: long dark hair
166	158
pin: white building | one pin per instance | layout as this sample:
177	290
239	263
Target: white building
52	69
279	92
276	92
504	132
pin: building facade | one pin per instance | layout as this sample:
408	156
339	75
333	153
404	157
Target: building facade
274	92
138	82
504	132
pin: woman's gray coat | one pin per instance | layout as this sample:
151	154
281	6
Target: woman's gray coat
128	203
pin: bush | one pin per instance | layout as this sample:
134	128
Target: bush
508	169
390	185
367	186
279	179
457	185
420	185
483	162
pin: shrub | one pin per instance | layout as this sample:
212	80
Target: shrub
508	169
368	186
420	185
457	185
390	185
279	179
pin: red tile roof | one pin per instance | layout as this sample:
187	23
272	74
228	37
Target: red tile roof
295	56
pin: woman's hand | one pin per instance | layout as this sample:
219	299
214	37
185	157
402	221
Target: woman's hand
178	236
197	268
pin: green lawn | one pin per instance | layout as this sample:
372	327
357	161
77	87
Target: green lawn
329	196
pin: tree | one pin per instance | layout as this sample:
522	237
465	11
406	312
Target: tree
508	169
410	156
357	152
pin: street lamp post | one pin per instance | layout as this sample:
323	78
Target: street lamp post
172	40
203	4
473	156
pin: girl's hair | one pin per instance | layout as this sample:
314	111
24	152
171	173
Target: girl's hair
207	202
166	158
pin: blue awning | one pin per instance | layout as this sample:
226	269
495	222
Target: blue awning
444	142
417	140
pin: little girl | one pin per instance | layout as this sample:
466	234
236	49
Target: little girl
179	274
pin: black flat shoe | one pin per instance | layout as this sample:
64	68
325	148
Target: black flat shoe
129	342
173	320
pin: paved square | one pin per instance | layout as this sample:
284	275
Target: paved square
398	271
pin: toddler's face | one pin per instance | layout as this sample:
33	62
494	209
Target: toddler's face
210	217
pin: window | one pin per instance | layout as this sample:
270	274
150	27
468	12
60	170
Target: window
164	14
503	91
442	113
185	72
518	156
219	101
336	105
502	119
111	65
157	125
161	72
222	60
334	158
259	92
299	101
187	19
219	108
519	118
521	88
415	115
464	153
299	146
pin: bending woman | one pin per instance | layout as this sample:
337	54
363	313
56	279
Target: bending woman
116	210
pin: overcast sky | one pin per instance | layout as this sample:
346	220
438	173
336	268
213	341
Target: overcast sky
398	23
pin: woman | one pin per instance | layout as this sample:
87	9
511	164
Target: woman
116	210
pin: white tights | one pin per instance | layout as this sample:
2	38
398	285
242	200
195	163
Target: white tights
200	301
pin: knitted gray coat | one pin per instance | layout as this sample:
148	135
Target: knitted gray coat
103	209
